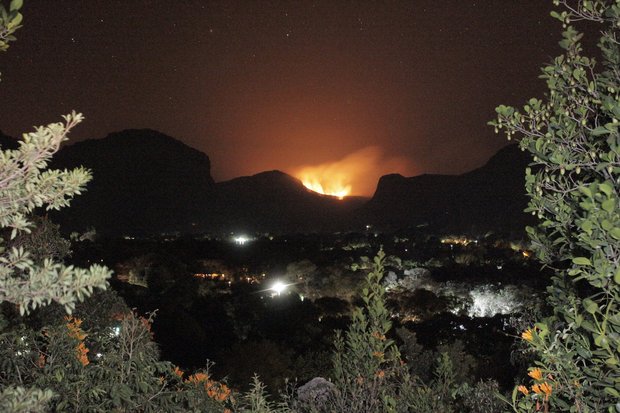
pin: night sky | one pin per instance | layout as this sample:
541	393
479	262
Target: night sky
389	86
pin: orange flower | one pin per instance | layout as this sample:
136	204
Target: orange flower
212	393
214	389
145	322
380	374
224	393
178	371
527	335
543	388
546	388
536	374
119	316
523	390
197	378
75	331
216	394
378	354
41	360
378	336
82	351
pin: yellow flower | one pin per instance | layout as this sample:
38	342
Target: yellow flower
523	390
527	335
536	374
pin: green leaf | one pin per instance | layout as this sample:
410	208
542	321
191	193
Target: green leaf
587	226
601	130
15	21
16	5
586	354
609	204
606	188
601	340
590	306
581	261
589	326
585	190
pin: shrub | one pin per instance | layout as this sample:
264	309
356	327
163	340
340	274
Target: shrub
574	189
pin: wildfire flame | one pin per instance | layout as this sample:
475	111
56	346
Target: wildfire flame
336	189
360	170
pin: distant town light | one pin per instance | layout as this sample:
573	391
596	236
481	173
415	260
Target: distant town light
241	240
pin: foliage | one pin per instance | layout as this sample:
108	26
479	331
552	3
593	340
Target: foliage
482	397
22	400
101	369
113	368
9	22
43	241
30	281
24	186
574	189
256	400
421	361
369	374
365	358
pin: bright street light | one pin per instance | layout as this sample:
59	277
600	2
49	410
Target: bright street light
278	287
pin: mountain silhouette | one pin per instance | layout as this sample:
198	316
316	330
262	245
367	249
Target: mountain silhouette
145	182
491	197
276	202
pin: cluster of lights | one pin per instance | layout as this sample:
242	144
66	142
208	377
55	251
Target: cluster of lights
241	240
212	276
458	241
